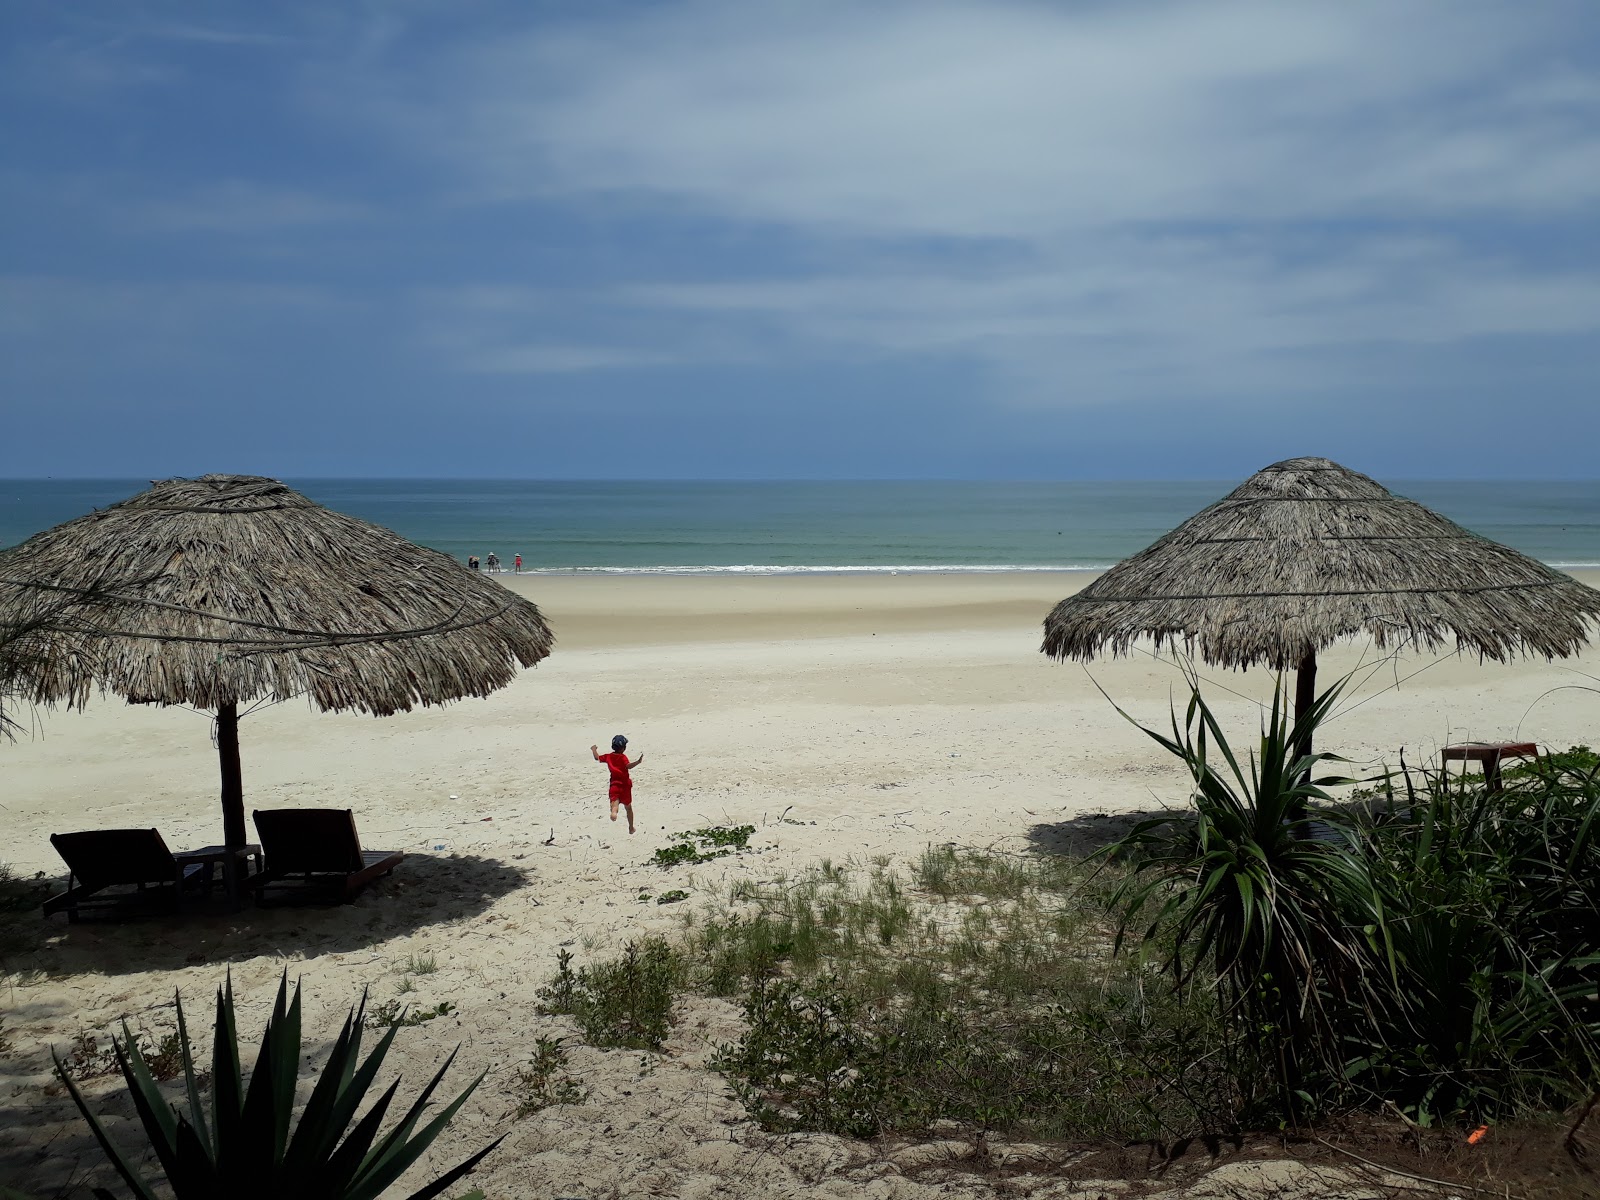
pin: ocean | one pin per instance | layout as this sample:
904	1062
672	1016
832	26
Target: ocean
794	527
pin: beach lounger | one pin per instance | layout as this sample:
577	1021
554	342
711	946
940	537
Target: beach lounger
315	854
100	859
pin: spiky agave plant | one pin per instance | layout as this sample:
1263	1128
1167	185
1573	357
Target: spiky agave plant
246	1148
1249	890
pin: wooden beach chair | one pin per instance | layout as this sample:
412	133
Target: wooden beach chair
315	854
100	859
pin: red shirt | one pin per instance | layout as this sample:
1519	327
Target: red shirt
621	782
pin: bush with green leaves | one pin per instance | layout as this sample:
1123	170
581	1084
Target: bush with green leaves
1251	893
973	987
625	1002
1431	943
546	1080
1485	998
246	1143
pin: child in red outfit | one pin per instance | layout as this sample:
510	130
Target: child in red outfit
621	782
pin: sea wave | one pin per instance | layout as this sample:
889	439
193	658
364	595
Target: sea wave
867	569
876	569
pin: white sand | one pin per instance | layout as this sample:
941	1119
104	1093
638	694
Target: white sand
892	712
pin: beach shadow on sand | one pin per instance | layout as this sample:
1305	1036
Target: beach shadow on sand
1088	832
46	1143
424	891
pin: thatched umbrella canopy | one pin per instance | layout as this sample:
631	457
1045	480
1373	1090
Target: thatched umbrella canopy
1305	552
218	591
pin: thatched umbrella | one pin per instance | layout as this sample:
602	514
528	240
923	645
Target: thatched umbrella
1305	552
218	591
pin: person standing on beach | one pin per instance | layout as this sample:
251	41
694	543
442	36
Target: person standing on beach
472	562
518	564
621	782
493	561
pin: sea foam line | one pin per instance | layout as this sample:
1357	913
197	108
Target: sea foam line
869	569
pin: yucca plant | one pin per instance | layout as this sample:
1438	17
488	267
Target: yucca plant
249	1147
1250	891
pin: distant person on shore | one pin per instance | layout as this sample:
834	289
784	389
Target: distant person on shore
494	561
518	566
472	562
621	782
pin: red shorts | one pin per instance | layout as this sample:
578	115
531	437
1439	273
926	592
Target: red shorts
622	798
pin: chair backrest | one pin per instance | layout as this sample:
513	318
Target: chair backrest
101	857
309	839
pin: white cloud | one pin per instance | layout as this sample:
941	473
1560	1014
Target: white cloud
1027	120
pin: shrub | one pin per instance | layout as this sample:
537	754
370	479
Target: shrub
1254	894
626	1002
543	1082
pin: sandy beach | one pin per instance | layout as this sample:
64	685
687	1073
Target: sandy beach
877	714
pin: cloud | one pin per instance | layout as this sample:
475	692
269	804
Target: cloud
1026	120
1131	318
1090	201
240	206
556	359
56	325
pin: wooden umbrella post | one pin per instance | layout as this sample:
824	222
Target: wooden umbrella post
232	776
1305	695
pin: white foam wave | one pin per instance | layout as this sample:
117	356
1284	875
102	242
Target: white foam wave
874	569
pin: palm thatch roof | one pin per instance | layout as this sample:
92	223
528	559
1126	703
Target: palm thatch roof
1305	552
228	588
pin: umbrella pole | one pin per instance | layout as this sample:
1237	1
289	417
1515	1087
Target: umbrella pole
1305	695
232	777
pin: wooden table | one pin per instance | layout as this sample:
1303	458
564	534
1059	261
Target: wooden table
233	879
1489	754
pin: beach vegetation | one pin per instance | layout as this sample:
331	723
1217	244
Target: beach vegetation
672	897
394	1013
417	964
626	1002
1245	894
245	1141
1278	950
21	931
696	846
1429	946
547	1079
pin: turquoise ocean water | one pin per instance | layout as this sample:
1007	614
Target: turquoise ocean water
779	527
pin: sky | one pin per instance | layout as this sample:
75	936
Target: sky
991	240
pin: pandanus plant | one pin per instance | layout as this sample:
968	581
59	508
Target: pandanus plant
249	1147
1249	889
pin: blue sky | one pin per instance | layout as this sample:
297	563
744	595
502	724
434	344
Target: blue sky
986	240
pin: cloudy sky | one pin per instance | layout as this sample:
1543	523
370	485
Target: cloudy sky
745	239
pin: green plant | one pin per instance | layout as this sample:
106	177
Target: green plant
672	897
418	964
704	845
626	1002
247	1145
392	1012
1253	893
544	1081
21	931
1490	1001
